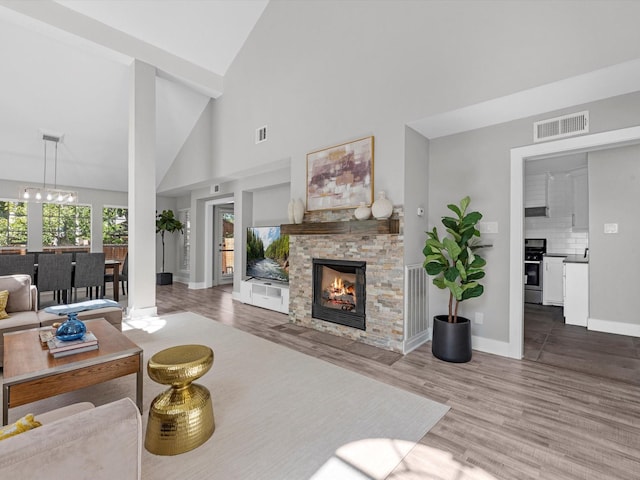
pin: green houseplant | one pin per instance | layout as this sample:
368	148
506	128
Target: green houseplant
456	267
166	222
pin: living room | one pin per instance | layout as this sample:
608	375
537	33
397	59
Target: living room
351	72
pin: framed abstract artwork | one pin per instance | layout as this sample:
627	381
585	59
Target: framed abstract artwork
340	176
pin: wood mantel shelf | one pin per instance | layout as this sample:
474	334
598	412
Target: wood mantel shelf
362	227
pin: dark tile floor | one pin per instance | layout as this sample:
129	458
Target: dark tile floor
548	340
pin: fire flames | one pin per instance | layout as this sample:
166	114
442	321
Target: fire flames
341	293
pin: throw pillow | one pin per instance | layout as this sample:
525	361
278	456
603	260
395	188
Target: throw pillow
25	423
4	298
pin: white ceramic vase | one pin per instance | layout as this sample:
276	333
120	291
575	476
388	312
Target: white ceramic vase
298	211
290	210
382	208
363	212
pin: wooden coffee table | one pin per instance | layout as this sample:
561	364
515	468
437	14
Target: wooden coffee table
31	373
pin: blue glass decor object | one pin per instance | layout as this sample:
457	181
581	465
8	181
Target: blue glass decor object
71	329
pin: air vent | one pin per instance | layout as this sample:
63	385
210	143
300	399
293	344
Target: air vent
261	134
216	188
559	127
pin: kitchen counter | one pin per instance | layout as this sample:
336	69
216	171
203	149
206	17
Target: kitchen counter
576	259
555	255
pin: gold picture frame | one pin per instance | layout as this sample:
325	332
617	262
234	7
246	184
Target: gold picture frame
340	176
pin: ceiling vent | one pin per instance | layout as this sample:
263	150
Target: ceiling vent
559	127
261	134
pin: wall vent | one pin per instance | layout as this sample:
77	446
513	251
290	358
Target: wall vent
216	188
559	127
261	134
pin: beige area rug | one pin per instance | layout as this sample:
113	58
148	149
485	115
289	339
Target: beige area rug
279	414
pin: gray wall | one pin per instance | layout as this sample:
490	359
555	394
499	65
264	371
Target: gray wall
270	205
416	185
614	185
477	163
321	73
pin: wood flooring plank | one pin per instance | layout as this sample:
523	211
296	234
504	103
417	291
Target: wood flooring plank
509	419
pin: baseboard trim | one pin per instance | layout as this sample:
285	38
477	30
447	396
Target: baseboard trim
618	328
488	345
197	285
415	341
144	312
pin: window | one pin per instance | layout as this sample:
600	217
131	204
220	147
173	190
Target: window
13	224
115	226
66	225
185	251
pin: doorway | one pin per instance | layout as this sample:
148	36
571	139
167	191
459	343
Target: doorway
224	235
585	143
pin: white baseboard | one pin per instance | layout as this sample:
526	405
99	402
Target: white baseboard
198	285
144	312
416	341
609	326
488	345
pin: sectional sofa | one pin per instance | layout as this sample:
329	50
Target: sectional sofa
22	307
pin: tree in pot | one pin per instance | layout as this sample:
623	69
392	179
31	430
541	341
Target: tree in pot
166	222
455	266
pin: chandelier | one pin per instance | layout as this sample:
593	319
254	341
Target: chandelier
47	194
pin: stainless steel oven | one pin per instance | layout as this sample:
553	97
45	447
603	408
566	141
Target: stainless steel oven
534	250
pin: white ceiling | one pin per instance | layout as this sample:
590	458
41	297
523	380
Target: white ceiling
61	83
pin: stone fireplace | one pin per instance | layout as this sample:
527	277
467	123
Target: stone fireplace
382	255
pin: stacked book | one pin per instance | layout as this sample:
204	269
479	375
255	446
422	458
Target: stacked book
59	348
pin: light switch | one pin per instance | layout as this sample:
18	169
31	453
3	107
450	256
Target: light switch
610	228
488	227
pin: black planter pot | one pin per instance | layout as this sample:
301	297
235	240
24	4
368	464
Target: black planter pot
164	278
451	341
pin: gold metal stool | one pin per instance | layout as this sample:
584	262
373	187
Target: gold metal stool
181	418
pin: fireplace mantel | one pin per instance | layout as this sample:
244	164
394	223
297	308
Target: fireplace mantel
364	227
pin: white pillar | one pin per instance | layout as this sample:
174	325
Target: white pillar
142	191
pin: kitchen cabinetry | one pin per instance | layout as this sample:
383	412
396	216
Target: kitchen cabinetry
576	293
552	280
580	218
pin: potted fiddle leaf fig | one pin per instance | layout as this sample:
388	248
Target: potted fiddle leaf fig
453	262
166	222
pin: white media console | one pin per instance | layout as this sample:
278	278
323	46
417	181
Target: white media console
265	294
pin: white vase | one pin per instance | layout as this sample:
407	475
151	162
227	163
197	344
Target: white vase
298	211
382	208
290	208
363	212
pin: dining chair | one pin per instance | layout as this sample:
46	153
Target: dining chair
55	275
17	264
123	275
89	273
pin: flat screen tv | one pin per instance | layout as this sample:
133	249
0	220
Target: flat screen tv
267	254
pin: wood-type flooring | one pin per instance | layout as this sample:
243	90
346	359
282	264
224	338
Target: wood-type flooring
509	419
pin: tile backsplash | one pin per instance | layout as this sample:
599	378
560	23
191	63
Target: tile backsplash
558	232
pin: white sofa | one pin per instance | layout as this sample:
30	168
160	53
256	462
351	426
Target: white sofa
78	442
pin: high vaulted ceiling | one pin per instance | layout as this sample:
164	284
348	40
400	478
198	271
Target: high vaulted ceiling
66	71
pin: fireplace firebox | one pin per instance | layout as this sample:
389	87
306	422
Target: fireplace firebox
339	292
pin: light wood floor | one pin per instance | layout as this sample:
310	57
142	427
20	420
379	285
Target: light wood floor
509	419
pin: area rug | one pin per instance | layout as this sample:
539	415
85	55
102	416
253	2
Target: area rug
279	414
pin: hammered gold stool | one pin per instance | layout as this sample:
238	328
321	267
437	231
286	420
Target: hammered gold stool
181	418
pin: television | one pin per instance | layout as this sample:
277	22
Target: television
267	254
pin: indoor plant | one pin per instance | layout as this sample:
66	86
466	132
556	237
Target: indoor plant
166	222
455	266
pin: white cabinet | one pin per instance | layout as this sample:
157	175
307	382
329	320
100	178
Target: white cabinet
576	294
270	295
536	190
552	281
580	218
